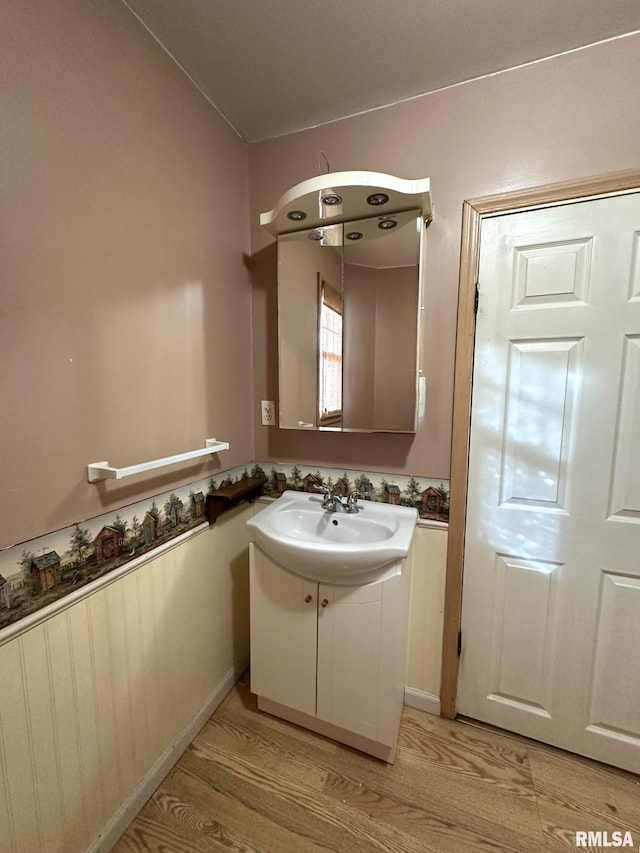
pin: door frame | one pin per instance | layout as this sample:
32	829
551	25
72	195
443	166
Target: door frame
473	212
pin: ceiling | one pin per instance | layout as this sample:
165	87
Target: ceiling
273	67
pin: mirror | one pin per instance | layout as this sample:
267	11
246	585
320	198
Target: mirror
348	321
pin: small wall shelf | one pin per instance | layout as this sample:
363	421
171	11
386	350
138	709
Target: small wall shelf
97	471
225	498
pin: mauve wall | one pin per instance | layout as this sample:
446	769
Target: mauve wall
569	117
125	314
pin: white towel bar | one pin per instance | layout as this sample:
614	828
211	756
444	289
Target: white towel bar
97	471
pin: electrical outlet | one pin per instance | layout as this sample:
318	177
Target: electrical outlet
268	412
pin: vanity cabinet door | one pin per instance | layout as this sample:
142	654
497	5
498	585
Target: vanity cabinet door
283	635
361	648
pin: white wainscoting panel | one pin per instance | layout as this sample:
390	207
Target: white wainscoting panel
99	700
424	650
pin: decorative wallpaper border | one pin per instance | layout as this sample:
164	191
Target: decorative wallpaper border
430	497
38	573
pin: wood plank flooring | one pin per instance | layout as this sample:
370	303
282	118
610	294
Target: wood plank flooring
250	783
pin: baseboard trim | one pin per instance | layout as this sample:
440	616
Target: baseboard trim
422	700
117	825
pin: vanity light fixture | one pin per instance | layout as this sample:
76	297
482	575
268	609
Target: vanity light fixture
331	199
386	224
377	198
354	235
337	197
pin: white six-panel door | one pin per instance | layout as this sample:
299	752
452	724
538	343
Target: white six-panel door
551	594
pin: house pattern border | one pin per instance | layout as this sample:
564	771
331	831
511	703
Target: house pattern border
39	572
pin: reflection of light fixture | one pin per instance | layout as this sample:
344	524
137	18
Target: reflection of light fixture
316	235
296	215
354	235
385	224
377	198
332	198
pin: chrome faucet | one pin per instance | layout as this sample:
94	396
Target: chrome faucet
333	502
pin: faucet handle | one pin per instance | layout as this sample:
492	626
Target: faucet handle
352	502
329	501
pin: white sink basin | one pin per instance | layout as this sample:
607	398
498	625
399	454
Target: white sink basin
334	547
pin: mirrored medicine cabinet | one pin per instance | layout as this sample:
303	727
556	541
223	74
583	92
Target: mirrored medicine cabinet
349	296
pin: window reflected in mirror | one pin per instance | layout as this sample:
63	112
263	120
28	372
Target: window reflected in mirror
329	356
